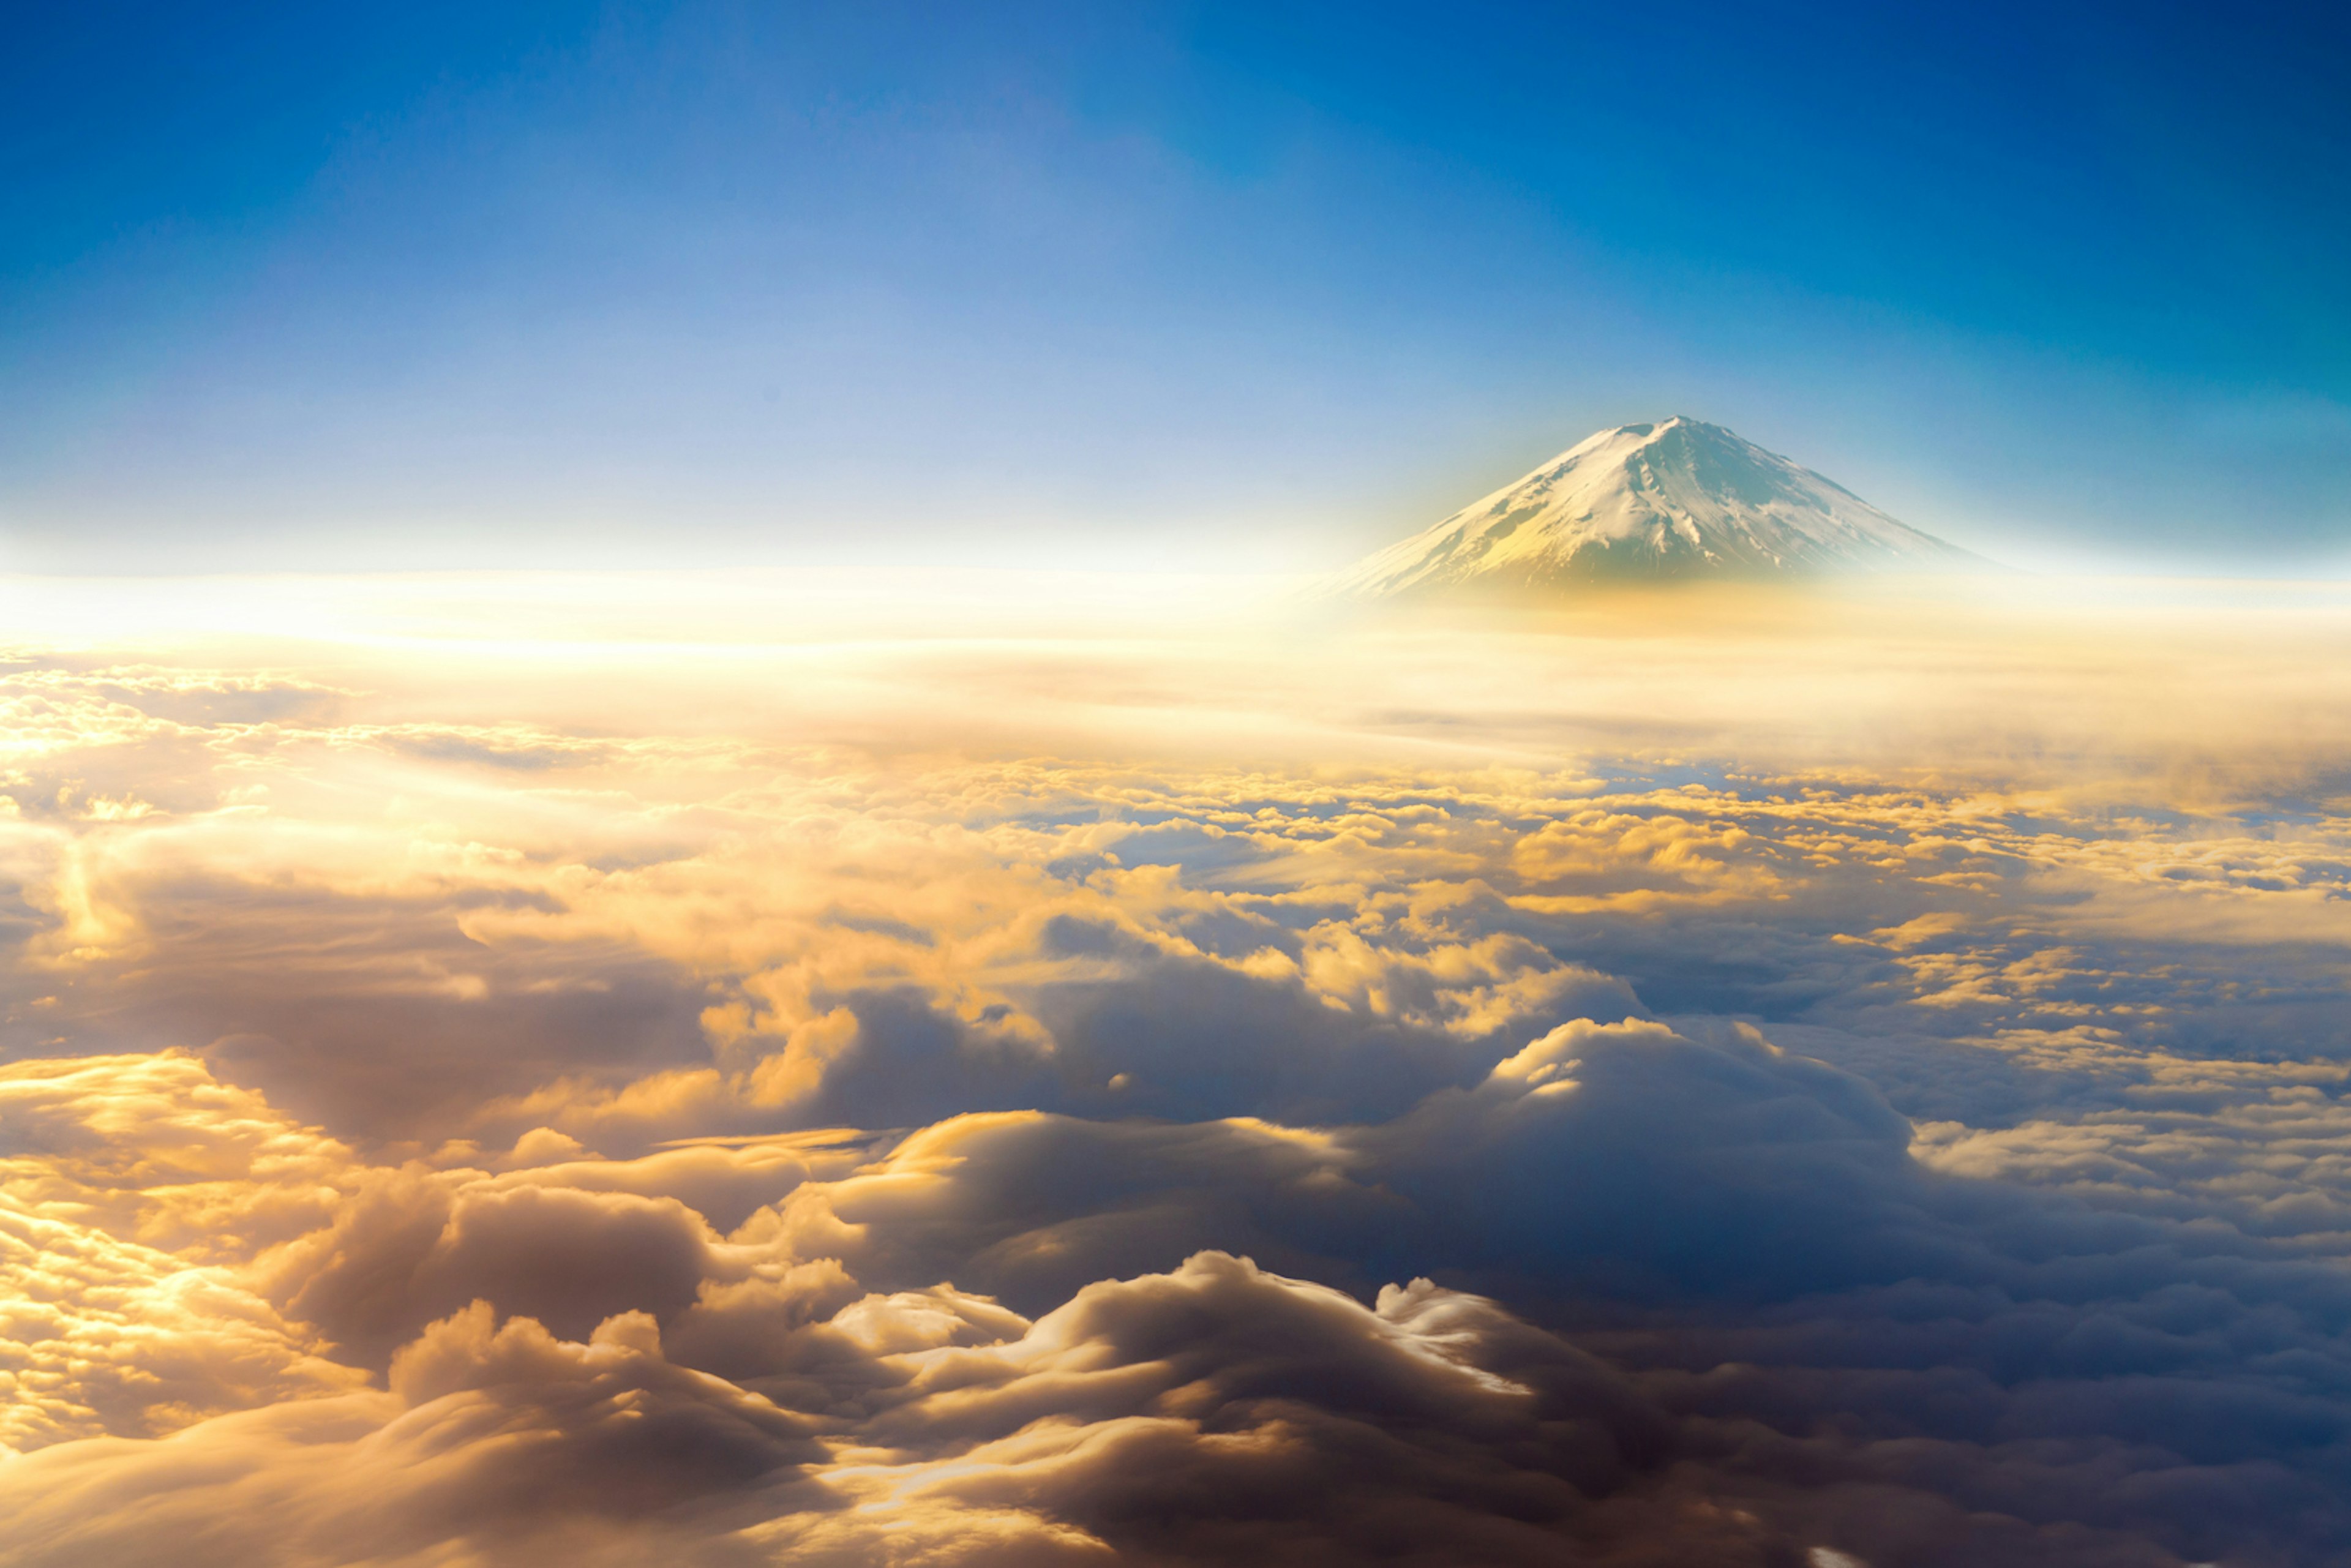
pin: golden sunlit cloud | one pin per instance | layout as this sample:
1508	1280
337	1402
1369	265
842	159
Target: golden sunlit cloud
495	1075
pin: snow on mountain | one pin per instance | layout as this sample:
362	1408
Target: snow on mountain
1649	502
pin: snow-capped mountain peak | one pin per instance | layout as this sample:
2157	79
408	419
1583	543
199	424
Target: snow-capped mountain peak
1676	499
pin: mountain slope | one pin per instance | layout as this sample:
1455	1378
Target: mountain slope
1648	502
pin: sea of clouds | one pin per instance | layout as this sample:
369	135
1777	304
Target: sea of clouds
1778	1087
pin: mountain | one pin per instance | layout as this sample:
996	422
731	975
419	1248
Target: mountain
1683	499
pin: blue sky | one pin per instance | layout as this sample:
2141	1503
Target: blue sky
1185	284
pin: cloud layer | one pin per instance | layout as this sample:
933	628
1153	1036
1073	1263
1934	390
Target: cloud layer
428	1137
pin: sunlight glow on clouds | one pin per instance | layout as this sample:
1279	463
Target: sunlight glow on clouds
1591	1089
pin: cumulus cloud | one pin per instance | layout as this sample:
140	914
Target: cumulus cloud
498	1440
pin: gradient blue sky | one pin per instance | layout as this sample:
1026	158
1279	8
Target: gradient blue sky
1201	286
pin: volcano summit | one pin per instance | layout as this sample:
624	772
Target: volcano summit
1682	499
